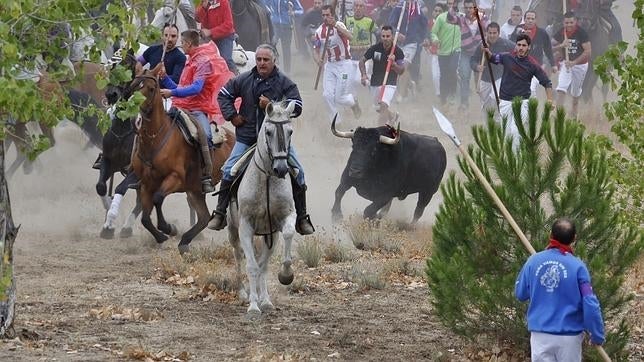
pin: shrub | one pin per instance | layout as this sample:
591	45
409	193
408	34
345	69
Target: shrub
310	252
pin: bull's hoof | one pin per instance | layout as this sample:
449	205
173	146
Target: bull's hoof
125	233
107	233
183	248
101	189
161	238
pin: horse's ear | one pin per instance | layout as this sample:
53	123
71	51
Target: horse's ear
155	71
269	109
290	108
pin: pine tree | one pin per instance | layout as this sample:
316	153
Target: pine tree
556	171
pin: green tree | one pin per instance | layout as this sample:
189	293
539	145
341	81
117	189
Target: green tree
622	67
33	37
557	171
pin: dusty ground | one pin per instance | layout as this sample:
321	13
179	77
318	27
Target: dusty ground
82	298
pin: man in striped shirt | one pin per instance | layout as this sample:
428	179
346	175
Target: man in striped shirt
337	88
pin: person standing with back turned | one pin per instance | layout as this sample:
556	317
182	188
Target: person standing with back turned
562	302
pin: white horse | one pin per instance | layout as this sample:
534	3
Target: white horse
183	15
264	206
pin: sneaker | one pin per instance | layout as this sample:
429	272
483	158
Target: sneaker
357	112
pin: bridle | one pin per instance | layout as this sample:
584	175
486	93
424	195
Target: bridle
282	147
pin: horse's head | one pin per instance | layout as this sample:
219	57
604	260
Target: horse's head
166	15
275	135
119	89
147	83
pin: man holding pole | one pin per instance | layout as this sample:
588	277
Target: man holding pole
386	56
518	70
562	303
331	51
574	41
496	45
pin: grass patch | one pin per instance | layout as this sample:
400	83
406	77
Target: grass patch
375	235
310	252
336	253
368	276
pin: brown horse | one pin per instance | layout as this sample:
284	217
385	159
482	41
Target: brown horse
166	163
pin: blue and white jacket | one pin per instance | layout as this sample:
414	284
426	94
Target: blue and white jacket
279	10
561	297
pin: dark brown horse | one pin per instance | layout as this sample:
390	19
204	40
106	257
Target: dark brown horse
166	163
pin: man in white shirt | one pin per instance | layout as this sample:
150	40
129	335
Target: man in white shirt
516	14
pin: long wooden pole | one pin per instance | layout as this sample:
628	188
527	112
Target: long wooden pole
392	52
447	127
489	65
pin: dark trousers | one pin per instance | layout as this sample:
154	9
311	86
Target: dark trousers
448	65
284	34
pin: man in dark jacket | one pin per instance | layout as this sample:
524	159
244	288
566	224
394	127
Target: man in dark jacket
256	88
540	44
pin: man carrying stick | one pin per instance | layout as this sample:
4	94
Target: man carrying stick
562	303
382	89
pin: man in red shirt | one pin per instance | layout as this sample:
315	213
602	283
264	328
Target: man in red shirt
216	20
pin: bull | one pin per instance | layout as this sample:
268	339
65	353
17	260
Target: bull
382	167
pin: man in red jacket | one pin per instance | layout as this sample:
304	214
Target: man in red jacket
197	89
216	20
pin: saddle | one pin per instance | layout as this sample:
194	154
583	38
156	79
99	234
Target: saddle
189	128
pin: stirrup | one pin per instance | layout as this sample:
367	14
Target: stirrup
304	226
207	186
217	220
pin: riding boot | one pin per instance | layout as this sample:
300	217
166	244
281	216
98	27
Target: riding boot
206	178
303	225
98	162
218	218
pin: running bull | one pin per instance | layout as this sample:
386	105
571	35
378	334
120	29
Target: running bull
387	163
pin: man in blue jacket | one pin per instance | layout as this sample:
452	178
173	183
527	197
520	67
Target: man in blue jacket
256	88
283	13
562	303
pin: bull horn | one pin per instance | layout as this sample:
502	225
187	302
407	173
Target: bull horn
389	140
340	133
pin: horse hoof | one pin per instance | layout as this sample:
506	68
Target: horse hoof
285	279
107	233
173	230
125	233
101	189
253	314
183	248
266	306
160	239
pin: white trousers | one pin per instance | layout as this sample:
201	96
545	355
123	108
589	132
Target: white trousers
338	86
555	348
512	130
571	80
488	100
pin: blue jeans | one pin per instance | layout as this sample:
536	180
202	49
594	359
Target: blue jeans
225	46
205	124
239	149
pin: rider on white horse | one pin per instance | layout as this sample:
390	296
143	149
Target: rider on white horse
264	84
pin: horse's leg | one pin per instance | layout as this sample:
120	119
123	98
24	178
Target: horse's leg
198	201
233	239
246	234
103	175
285	274
147	204
126	230
169	185
265	303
